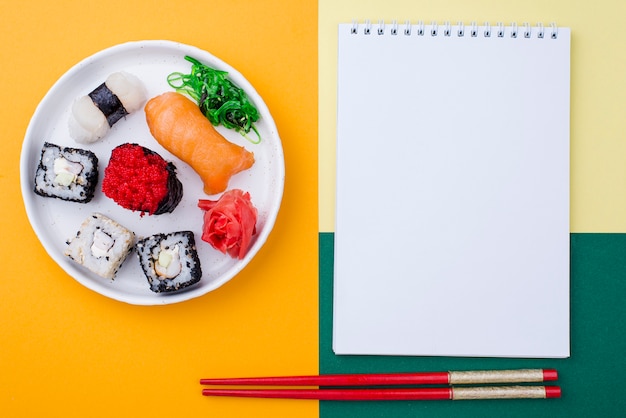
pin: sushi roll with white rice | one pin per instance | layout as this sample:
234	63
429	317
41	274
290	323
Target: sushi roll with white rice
101	245
66	173
169	261
93	115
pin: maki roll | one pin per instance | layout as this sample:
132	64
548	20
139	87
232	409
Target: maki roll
92	116
101	245
139	179
66	173
169	261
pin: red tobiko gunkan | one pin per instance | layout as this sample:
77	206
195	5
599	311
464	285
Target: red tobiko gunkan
229	222
139	179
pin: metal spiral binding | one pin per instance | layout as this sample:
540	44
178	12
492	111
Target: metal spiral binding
420	28
474	30
407	28
555	30
525	31
434	29
500	31
368	27
394	27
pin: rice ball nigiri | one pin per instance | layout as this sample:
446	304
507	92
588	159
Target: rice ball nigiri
92	115
180	127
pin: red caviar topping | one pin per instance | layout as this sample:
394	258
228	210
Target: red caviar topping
136	178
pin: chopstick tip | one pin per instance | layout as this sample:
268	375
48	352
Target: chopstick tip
553	392
550	375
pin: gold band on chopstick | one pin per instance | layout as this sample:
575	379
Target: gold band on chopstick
496	376
500	392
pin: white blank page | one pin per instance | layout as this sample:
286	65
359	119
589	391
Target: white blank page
452	206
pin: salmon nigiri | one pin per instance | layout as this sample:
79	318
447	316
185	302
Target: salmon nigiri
180	127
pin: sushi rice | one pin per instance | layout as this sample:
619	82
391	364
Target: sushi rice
101	245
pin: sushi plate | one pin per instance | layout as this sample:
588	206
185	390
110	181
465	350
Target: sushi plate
55	221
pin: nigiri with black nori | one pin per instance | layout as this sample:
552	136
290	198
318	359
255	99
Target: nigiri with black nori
92	115
139	179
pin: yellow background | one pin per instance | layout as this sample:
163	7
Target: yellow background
67	351
598	90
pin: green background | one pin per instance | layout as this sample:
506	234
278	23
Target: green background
591	379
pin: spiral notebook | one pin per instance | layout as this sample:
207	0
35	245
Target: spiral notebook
452	190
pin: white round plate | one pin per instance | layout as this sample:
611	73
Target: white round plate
55	221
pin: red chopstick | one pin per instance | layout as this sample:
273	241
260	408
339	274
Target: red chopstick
426	378
445	393
480	377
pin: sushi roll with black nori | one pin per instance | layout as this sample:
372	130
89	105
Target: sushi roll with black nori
101	245
92	115
139	179
169	261
66	173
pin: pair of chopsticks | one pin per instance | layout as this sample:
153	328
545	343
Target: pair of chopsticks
333	387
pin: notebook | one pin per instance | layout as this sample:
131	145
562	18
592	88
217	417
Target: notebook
452	190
